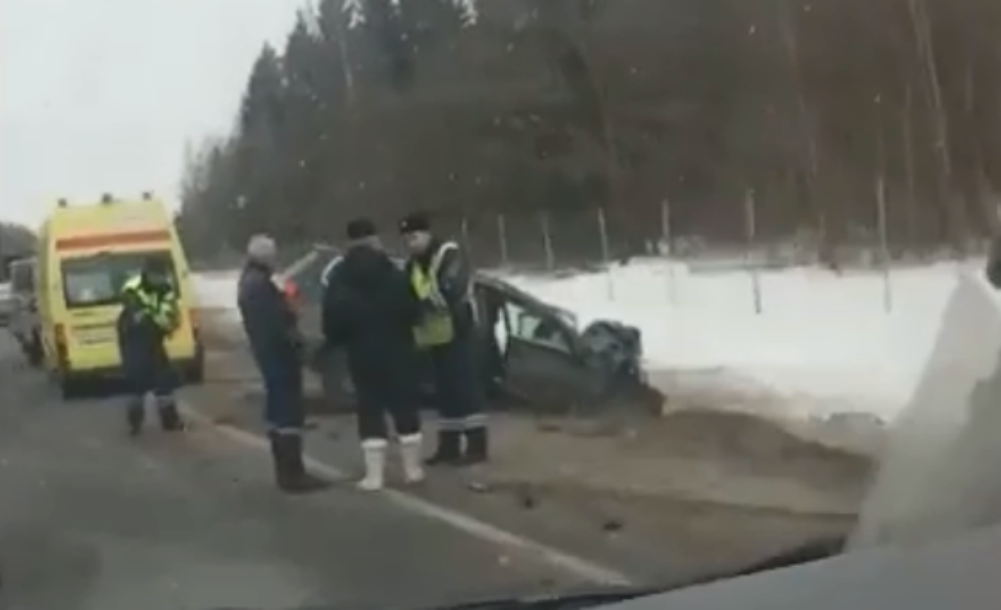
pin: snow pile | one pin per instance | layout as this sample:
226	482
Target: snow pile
938	477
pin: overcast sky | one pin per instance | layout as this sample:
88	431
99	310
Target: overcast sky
101	95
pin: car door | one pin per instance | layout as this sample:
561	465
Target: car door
538	353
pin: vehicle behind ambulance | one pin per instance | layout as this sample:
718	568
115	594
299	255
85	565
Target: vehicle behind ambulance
86	254
24	315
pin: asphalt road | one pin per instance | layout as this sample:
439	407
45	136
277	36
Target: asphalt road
93	520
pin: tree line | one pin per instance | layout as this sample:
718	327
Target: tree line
836	120
16	241
16	238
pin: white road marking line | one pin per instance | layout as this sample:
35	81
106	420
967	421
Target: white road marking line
465	523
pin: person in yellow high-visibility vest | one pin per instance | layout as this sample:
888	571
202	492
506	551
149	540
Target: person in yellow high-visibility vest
440	278
150	315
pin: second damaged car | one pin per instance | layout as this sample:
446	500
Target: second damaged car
533	353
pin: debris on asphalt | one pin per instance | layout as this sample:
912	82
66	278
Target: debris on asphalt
611	526
527	499
478	487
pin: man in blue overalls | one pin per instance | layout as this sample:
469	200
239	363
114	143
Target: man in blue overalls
272	331
150	315
441	280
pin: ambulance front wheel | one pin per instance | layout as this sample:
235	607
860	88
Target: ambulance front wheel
194	373
70	387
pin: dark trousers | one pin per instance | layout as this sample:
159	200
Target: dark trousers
386	389
284	408
149	373
458	385
376	405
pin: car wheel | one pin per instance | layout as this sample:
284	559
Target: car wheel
70	388
194	373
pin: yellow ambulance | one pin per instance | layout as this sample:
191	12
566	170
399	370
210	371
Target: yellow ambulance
85	253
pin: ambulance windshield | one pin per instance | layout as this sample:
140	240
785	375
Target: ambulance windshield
96	280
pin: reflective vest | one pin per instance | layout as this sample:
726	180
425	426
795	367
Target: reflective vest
436	327
162	310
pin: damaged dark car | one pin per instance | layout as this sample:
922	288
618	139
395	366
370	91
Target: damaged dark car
532	352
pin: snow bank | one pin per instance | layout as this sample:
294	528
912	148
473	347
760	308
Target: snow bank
939	474
216	290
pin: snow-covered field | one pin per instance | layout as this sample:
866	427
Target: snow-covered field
830	343
216	289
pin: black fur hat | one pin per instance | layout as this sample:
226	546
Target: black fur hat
361	228
415	221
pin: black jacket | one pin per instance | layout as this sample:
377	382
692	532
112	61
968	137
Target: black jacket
268	319
369	308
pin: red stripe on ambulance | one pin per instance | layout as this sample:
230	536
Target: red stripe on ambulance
109	240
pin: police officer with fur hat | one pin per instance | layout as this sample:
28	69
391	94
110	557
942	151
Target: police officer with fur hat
441	279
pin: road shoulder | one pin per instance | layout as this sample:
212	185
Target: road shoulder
601	491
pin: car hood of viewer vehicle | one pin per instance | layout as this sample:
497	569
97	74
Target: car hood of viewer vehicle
959	572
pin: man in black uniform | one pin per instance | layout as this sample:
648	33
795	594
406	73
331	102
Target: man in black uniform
441	279
272	330
150	315
368	308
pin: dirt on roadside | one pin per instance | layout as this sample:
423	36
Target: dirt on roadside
728	459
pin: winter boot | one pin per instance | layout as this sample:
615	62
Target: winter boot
374	452
449	451
135	416
305	480
410	452
477	446
170	419
290	471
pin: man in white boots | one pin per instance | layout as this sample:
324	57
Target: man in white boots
370	310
